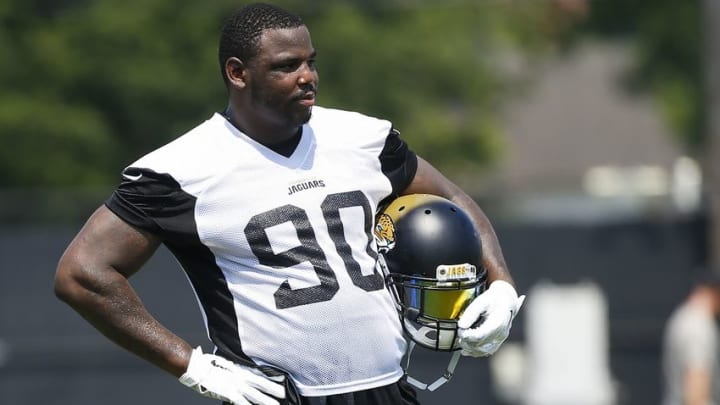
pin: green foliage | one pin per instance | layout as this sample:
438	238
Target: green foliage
89	86
668	38
429	67
93	85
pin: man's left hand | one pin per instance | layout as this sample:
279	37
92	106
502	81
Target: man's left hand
497	307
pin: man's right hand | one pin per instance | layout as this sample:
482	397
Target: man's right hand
218	378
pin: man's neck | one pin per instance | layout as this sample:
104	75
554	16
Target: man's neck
280	140
264	133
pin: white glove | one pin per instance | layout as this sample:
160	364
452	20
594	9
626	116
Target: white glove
498	306
219	378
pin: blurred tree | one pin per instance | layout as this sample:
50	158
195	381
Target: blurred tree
433	68
95	84
89	86
677	60
667	35
711	49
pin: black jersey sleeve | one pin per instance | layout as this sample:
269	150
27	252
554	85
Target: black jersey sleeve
398	162
151	201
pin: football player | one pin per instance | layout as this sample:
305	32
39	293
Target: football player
269	208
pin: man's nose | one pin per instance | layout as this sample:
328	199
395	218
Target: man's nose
307	74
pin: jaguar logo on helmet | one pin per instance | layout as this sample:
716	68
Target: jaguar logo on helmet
432	255
384	233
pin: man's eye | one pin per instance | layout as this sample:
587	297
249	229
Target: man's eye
286	67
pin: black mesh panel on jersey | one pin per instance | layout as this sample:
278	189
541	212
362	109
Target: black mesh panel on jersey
156	203
398	162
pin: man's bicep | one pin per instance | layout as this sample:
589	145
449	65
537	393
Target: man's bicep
106	241
429	180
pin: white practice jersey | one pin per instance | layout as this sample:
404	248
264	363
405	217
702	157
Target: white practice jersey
279	250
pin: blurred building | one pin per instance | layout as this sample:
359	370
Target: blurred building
582	147
601	194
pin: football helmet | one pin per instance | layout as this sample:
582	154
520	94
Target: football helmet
431	254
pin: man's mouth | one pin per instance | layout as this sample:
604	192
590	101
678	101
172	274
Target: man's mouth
307	99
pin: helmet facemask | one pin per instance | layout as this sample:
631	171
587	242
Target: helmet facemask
430	307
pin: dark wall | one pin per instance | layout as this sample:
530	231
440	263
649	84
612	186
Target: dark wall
644	267
49	355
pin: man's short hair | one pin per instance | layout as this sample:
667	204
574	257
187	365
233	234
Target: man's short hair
242	30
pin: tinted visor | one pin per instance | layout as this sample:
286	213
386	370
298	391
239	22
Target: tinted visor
438	300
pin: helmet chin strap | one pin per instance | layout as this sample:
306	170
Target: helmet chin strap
440	381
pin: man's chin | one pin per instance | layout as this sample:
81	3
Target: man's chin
306	117
298	117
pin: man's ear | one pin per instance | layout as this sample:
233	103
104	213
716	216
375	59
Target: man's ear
236	72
